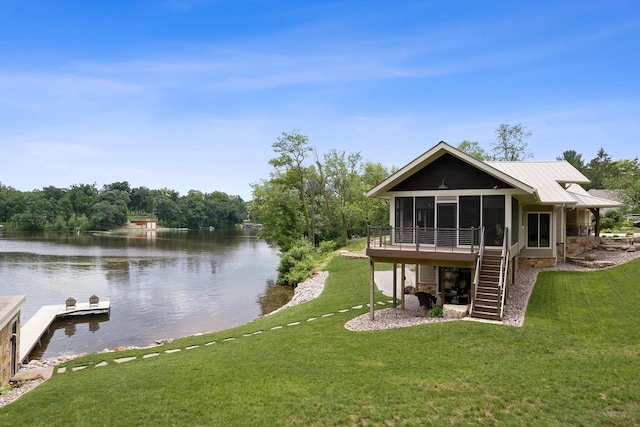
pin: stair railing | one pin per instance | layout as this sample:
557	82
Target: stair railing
476	278
504	263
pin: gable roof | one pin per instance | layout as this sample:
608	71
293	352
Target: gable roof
552	182
434	153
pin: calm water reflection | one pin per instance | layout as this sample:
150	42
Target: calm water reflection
160	284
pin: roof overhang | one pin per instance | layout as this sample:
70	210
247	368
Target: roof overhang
588	201
9	307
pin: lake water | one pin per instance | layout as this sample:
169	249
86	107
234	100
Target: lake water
161	284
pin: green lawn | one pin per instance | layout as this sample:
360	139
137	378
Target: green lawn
575	361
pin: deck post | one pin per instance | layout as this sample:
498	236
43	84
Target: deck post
402	282
371	289
395	285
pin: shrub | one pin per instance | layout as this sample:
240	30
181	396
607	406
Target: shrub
297	263
607	222
435	311
326	247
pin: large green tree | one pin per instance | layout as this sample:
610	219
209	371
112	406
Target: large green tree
111	208
36	212
292	150
625	180
276	206
574	159
510	143
473	149
599	169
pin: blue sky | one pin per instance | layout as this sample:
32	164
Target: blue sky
191	94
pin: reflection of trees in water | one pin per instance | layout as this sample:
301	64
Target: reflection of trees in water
274	297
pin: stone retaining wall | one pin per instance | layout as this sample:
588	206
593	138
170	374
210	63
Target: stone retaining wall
579	244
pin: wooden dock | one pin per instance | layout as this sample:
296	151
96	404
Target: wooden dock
33	330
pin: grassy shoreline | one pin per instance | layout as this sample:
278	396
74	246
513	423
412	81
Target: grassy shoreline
574	362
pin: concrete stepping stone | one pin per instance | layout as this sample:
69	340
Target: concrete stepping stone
293	324
228	339
311	319
357	307
210	343
328	314
344	310
173	350
191	347
124	359
78	368
148	355
101	364
276	327
62	370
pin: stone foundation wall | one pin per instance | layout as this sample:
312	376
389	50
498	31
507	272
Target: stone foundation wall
536	262
5	352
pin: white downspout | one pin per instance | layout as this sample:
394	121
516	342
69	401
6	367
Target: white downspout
563	224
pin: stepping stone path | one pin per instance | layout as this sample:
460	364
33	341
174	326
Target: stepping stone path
121	360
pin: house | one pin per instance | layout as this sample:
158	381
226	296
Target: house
145	224
10	307
467	224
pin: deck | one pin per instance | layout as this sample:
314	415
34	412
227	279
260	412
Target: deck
423	245
33	330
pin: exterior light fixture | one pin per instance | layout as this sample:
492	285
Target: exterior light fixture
443	185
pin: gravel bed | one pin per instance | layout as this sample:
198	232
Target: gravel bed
306	291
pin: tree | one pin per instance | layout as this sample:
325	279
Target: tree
473	149
141	200
168	211
599	169
293	150
510	144
343	188
193	210
34	216
276	206
110	209
83	197
625	179
65	208
376	211
574	159
12	202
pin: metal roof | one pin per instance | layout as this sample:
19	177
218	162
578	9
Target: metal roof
585	200
548	178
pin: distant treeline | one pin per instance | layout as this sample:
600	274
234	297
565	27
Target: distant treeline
85	207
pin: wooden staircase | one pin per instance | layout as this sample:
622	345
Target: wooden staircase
488	299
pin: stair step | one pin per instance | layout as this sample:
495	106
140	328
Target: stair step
485	305
484	315
488	297
488	291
